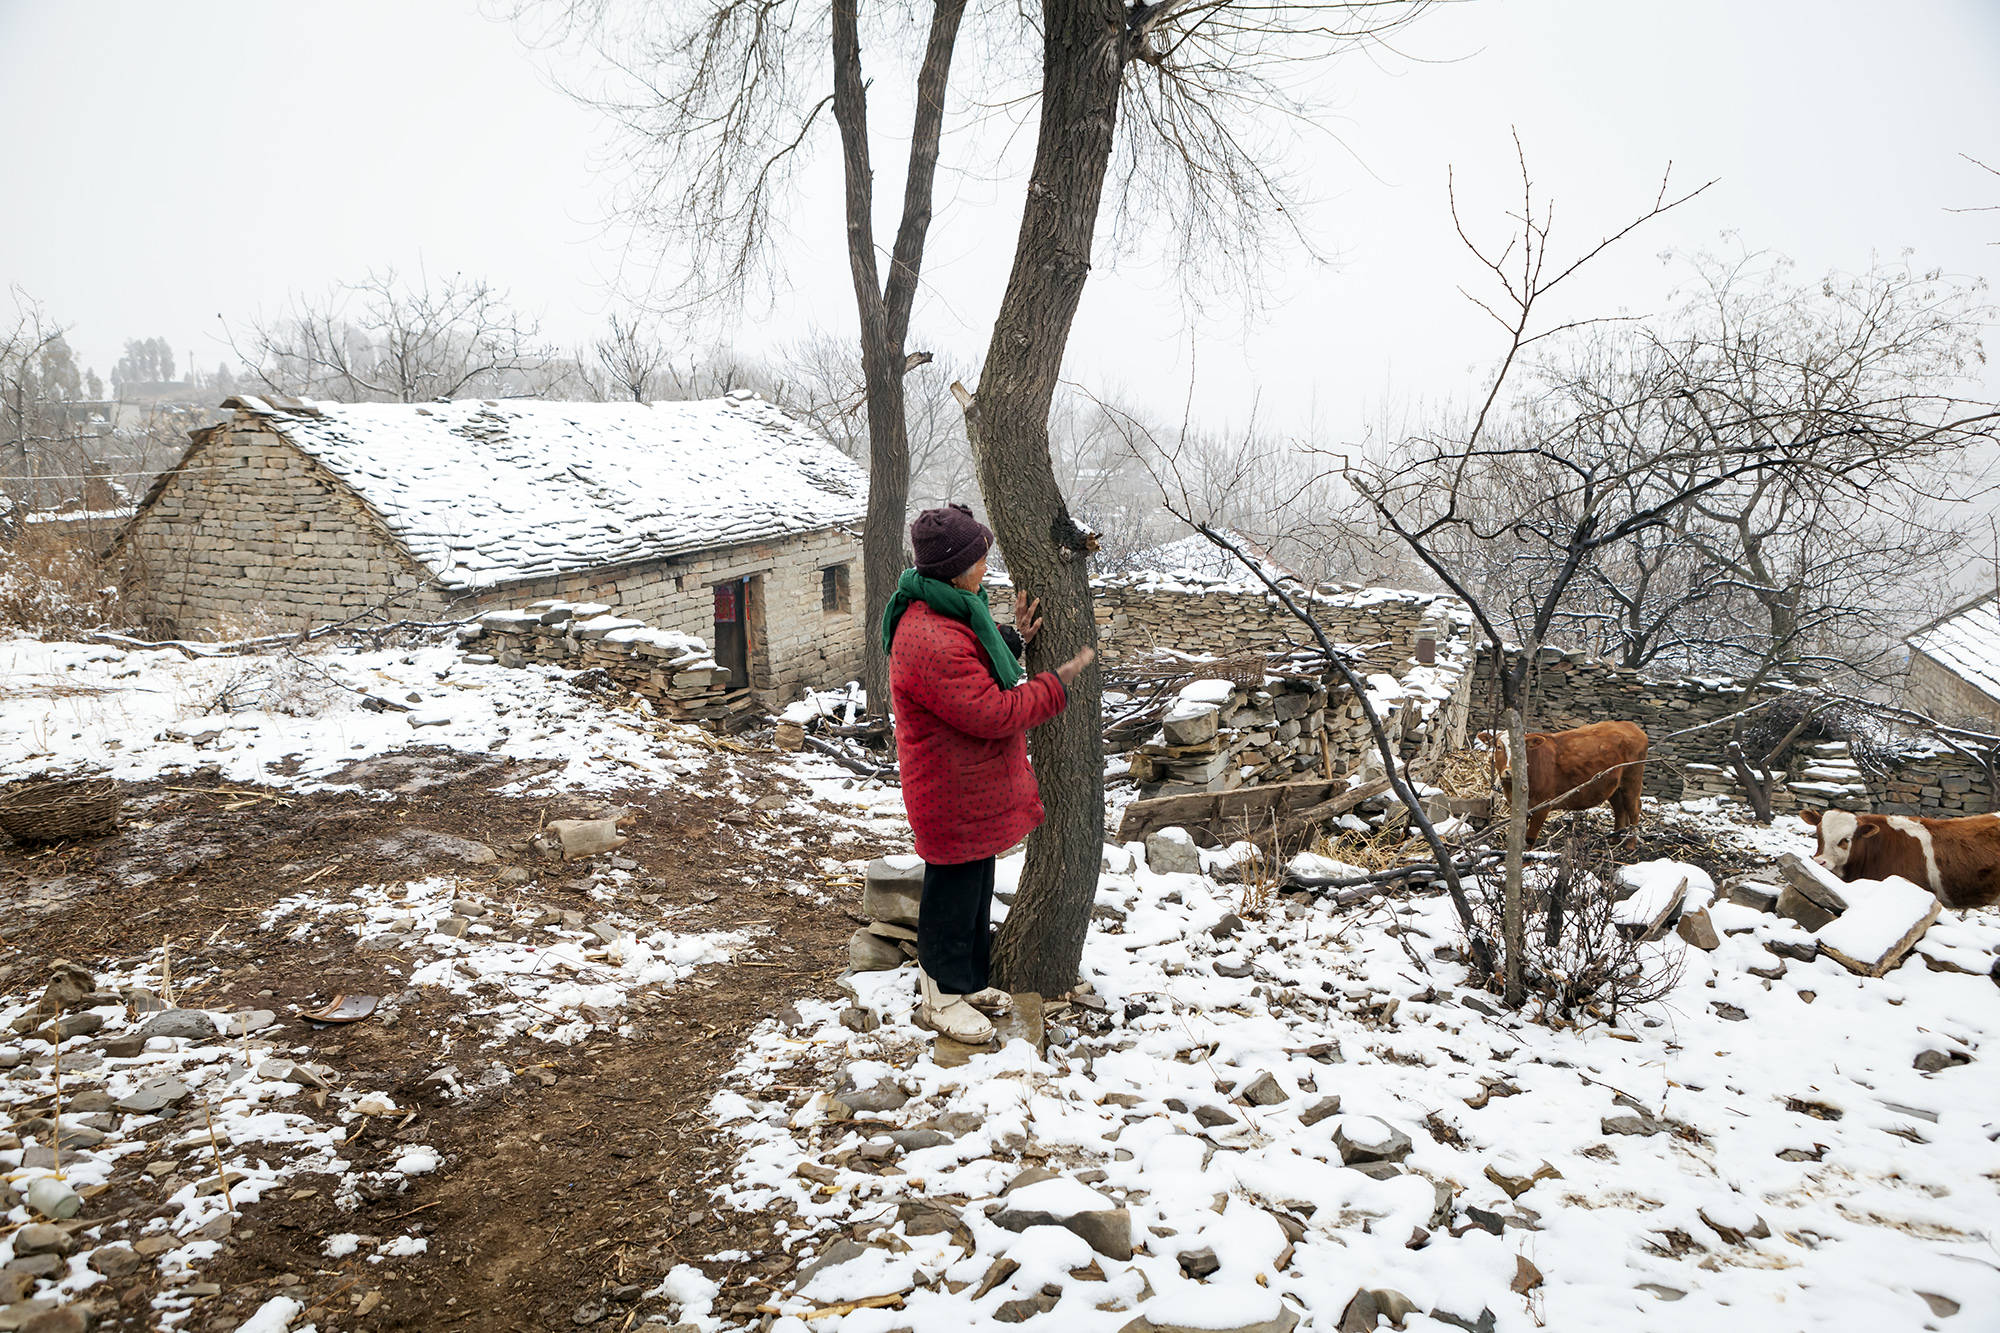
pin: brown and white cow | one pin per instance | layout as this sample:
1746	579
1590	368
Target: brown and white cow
1956	859
1601	764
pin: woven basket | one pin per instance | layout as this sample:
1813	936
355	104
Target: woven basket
52	809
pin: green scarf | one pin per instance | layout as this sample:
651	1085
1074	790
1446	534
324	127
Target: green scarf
966	607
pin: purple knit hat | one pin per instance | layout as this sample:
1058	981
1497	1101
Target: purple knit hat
948	541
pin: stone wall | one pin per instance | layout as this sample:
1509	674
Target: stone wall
1141	617
1572	690
674	671
249	535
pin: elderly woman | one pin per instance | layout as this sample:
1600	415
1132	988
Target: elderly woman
963	710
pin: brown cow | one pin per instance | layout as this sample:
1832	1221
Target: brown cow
1958	860
1601	764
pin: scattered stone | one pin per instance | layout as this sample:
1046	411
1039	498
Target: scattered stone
1363	1139
214	1184
1665	1293
1320	1110
883	1096
1752	893
1944	1307
1228	926
607	934
1263	1090
1734	1225
1213	1117
1023	1308
1484	1323
49	1266
192	1024
1799	951
1235	968
154	1095
893	889
1511	1176
590	1312
1485	1219
1171	851
1825	889
1370	1306
245	1021
1729	1012
1698	930
40	1238
869	952
14	1287
75	1025
1636	1123
152	1247
69	986
1072	1205
1200	1263
1934	1060
1795	906
1526	1276
10	1057
116	1261
16	1317
1872	937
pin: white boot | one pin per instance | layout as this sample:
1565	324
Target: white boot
992	1000
950	1016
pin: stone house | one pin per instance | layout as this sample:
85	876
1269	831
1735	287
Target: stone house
1955	664
726	520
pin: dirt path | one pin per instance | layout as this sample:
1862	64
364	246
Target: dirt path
567	1190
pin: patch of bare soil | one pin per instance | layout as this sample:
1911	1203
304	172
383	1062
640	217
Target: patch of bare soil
567	1189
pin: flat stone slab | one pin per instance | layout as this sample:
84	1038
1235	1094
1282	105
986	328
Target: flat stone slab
893	890
1816	882
1883	922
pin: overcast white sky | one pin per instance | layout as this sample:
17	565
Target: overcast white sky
174	165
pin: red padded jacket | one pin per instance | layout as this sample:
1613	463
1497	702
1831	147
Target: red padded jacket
962	741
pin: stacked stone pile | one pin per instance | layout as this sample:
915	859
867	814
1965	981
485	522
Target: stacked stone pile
893	888
674	671
1220	735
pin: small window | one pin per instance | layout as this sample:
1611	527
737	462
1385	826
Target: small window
833	594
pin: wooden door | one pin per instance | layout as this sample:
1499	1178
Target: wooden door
731	641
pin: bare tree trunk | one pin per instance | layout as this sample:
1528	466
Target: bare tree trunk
1084	46
1512	928
884	309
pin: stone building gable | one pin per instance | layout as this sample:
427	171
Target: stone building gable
247	533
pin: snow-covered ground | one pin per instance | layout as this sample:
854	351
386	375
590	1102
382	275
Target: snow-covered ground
142	713
1758	1148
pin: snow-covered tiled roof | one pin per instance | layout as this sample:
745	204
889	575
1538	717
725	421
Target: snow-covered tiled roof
1967	643
486	493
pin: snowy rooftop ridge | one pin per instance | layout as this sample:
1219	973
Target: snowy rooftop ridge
486	492
1966	642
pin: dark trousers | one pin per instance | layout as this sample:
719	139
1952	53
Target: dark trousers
955	925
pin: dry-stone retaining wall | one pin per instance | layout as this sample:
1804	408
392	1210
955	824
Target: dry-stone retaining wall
1688	759
1145	616
673	670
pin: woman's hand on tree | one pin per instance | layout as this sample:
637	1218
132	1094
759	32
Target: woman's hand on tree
1028	620
1073	668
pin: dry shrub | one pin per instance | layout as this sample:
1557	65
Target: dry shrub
54	583
1577	964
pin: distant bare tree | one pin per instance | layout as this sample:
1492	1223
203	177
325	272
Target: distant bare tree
382	340
629	363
